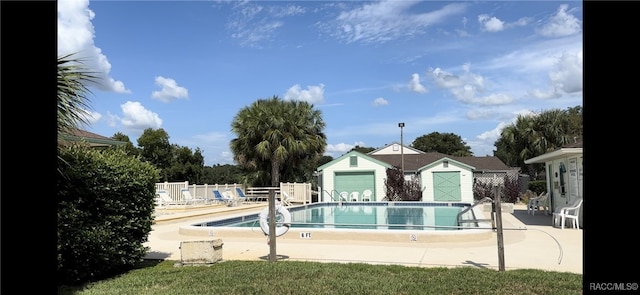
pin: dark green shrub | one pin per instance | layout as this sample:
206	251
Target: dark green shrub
538	186
399	189
105	211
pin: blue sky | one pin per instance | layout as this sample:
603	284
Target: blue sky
467	67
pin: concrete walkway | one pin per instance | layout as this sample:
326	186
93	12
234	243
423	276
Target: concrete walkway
530	242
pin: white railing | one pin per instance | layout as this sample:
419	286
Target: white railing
196	190
299	192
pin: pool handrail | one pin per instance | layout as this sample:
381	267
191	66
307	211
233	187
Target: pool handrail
331	195
471	207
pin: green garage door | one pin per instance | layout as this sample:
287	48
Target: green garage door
446	186
355	181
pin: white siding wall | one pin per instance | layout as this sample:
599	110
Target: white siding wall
395	149
572	192
328	175
466	181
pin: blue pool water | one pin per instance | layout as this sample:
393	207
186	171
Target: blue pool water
364	215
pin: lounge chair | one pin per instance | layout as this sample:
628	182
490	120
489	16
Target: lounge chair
189	199
571	213
537	203
164	199
285	198
225	199
344	196
243	197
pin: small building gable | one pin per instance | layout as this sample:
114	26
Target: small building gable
395	149
445	162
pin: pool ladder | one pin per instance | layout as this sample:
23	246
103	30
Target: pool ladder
331	195
461	221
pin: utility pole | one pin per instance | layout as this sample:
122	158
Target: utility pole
401	125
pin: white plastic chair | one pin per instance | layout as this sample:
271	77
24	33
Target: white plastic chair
570	213
537	203
354	196
366	195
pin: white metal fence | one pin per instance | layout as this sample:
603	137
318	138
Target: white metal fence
299	192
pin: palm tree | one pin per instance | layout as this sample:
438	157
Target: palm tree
277	136
73	101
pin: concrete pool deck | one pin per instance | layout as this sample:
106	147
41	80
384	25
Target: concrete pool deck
530	242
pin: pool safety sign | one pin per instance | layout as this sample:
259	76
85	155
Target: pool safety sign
305	235
413	237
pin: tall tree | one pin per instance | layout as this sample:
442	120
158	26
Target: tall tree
362	149
446	143
277	137
155	148
73	100
533	135
129	148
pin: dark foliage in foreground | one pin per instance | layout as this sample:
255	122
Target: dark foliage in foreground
105	203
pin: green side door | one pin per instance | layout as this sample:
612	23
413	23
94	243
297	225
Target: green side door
446	186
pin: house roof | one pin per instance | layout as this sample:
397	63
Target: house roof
93	139
351	153
408	148
565	151
415	162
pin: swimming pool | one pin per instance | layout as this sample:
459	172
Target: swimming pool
387	221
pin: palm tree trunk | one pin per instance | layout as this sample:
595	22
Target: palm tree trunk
275	173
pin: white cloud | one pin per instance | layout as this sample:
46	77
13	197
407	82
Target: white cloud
568	73
490	24
91	117
75	36
541	94
253	25
561	24
387	20
380	101
341	148
313	94
566	77
414	84
169	90
137	118
468	87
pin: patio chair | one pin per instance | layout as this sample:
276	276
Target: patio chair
344	196
354	196
225	199
189	199
285	198
537	203
569	213
164	199
244	198
366	195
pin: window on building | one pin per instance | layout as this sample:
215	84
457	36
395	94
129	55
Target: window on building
353	161
445	164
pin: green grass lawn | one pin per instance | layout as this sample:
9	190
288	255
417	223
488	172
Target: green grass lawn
310	278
